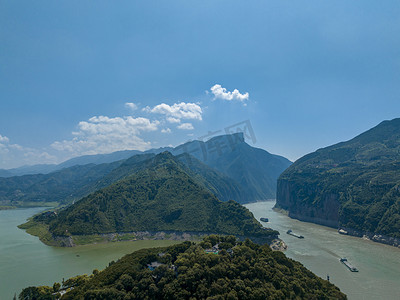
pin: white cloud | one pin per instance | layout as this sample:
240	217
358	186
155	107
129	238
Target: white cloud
178	111
101	134
146	109
4	139
186	126
221	93
131	105
173	120
166	130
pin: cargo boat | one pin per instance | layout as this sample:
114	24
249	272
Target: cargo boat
294	234
348	265
264	219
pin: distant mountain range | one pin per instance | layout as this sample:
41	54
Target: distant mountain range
76	161
234	170
353	185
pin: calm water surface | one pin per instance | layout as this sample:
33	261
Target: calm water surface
25	261
322	247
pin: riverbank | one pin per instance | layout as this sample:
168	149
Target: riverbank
4	207
375	237
7	204
41	231
26	261
378	238
278	245
322	247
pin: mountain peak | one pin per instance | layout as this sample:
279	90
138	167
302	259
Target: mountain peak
234	138
164	156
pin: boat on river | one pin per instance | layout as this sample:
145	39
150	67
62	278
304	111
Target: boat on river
348	265
264	219
290	232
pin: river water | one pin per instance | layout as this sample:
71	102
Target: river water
322	247
25	261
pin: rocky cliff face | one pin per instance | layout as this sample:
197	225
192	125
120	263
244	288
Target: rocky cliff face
353	185
325	212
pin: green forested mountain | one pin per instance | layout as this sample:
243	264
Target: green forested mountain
66	185
61	186
75	182
160	196
223	187
236	270
353	185
237	172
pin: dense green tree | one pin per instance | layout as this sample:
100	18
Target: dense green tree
37	293
56	287
248	271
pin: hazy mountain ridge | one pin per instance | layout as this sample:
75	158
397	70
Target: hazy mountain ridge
95	159
60	186
254	169
222	186
353	185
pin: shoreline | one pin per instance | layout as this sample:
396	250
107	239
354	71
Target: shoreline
24	205
375	237
46	237
6	207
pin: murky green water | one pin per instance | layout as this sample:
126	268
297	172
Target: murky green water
25	261
322	247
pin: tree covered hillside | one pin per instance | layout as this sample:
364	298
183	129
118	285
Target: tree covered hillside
61	186
354	184
161	195
235	270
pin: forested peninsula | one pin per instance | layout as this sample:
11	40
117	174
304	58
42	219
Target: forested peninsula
220	267
161	196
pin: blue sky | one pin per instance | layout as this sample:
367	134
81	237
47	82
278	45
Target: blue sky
307	73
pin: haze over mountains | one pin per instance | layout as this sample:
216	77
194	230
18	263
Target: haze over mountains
81	160
249	172
353	185
254	169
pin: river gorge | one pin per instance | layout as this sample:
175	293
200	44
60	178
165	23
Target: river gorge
322	247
